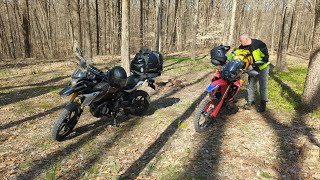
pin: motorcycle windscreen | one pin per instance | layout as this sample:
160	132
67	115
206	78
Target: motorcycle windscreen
232	69
78	74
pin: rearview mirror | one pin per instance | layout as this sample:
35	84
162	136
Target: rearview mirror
79	51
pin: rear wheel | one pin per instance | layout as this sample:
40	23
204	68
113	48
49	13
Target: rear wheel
66	121
203	119
139	102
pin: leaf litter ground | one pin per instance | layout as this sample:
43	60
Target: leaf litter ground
160	145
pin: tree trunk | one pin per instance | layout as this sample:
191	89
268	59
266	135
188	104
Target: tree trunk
26	28
158	27
13	46
112	27
195	28
281	64
17	32
273	33
311	98
97	27
255	11
40	32
4	37
174	33
125	36
141	23
119	32
76	23
296	24
106	43
89	32
231	40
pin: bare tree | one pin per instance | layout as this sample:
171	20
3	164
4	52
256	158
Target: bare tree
97	27
89	31
158	27
50	28
26	28
311	91
281	64
141	23
195	28
231	40
273	34
76	23
125	35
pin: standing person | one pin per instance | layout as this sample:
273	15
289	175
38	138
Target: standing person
259	51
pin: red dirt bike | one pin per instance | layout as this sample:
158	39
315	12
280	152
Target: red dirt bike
225	85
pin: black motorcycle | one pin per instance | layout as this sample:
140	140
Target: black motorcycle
107	93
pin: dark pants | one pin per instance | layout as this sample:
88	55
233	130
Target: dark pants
263	85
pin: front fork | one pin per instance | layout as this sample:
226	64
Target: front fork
219	105
72	99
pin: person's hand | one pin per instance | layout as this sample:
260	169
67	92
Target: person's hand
250	67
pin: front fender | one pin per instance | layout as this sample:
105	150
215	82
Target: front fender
215	84
67	91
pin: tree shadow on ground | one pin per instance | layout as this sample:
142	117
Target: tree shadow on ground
41	165
154	106
205	164
15	64
104	121
288	157
161	103
44	163
294	98
30	118
57	79
134	170
96	128
24	94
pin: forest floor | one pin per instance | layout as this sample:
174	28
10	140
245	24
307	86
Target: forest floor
159	145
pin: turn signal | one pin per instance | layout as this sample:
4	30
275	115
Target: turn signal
241	81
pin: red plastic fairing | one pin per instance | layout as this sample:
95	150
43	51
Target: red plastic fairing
237	83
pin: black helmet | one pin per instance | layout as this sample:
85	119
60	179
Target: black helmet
117	77
218	55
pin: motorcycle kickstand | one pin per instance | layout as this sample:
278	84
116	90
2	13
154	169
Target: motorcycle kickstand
115	119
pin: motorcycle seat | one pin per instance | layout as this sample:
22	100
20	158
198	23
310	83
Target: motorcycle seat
132	81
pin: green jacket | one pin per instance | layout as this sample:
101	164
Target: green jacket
259	51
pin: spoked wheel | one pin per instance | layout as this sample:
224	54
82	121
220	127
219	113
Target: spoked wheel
202	119
66	121
139	102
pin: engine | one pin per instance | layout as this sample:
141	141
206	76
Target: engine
100	110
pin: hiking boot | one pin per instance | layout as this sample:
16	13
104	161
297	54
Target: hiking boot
262	106
248	105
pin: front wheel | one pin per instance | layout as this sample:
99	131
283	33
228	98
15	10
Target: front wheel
202	119
66	121
139	102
